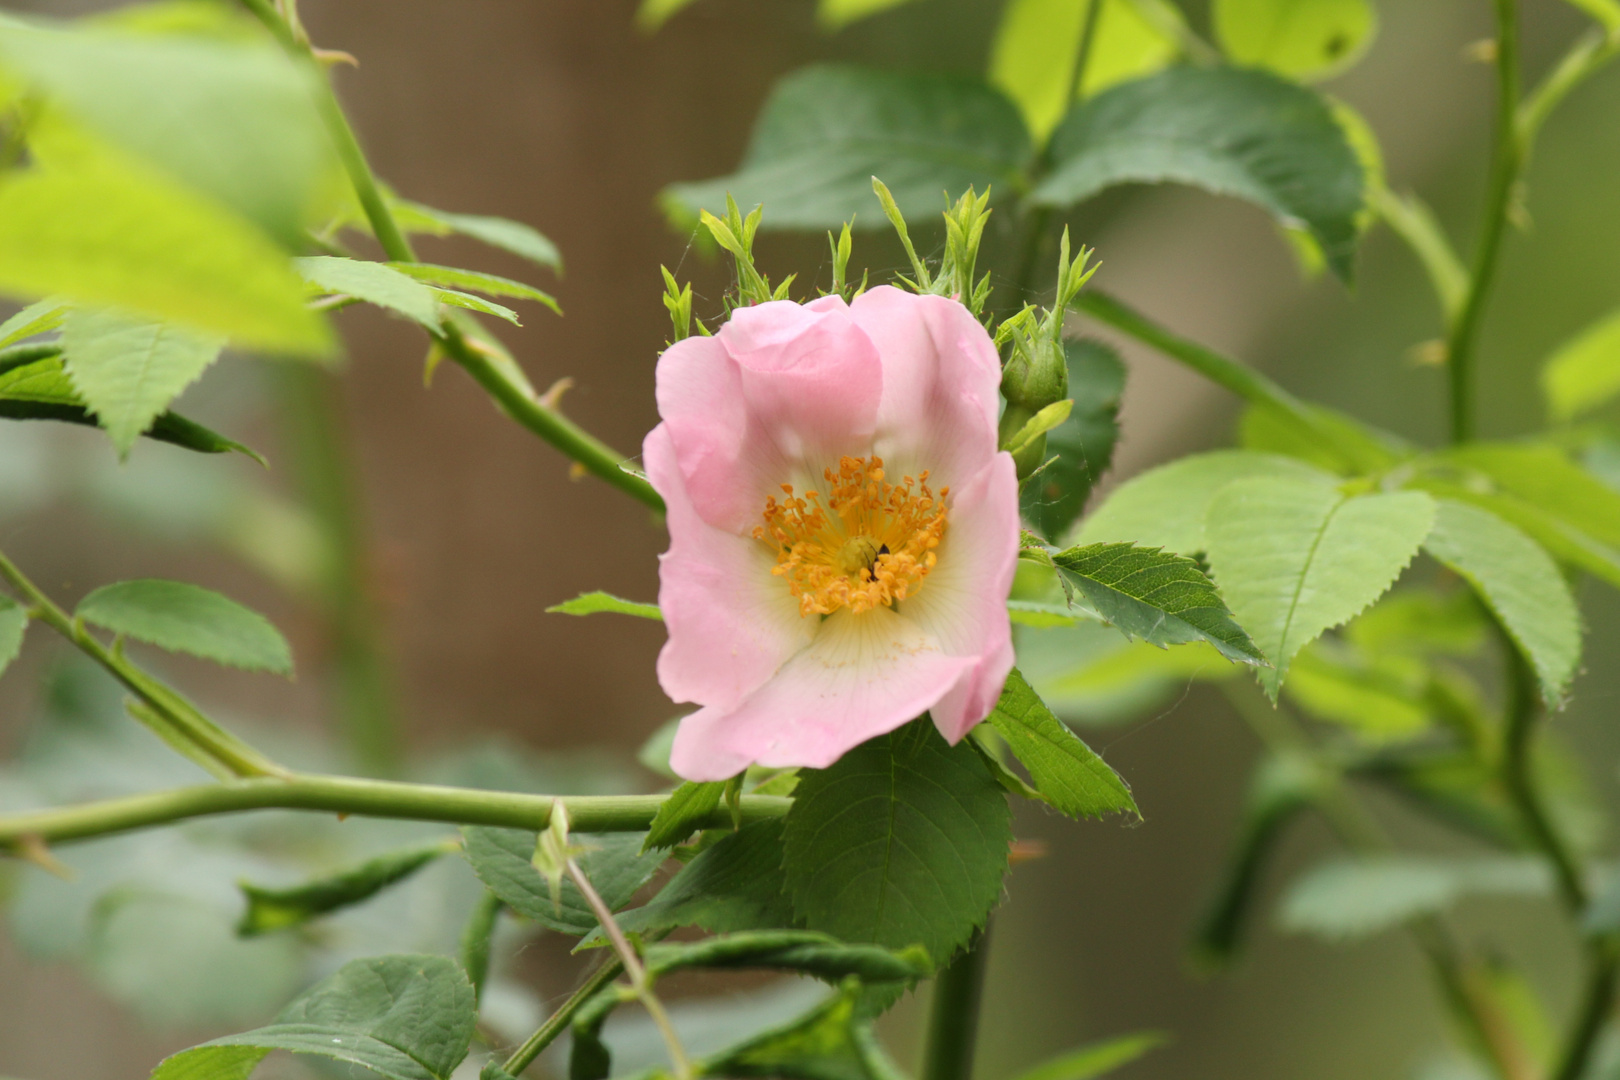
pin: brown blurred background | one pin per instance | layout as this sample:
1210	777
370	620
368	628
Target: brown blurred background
562	114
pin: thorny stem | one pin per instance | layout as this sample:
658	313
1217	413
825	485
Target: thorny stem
1507	161
501	380
953	1014
640	984
174	719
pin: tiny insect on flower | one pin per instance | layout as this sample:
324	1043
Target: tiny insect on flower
843	529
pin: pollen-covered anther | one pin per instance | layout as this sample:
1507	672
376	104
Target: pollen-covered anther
867	543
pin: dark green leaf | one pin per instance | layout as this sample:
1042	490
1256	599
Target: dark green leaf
834	1041
1065	770
402	1017
593	603
127	370
1295	558
503	859
1159	596
511	236
186	618
1357	897
277	909
827	130
1084	445
375	283
687	810
1522	585
738	884
1096	1059
802	951
1231	131
13	625
903	841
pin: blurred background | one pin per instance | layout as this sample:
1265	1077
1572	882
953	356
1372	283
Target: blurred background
562	114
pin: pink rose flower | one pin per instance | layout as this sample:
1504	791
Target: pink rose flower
843	530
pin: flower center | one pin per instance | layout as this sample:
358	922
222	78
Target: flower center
867	543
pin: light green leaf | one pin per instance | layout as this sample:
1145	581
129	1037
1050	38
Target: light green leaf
1066	771
41	390
1382	700
1522	585
687	810
1231	131
120	236
1606	12
503	860
186	618
1043	615
40	317
1324	437
1039	424
1037	41
654	13
1356	898
1159	596
1294	558
13	625
270	909
375	283
837	14
234	121
475	303
402	1017
1165	507
1303	39
490	284
513	237
735	885
594	603
1585	371
127	370
827	130
1098	1058
903	841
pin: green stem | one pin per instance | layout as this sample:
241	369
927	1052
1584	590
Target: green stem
1588	56
558	1022
503	382
476	938
325	475
1507	160
1518	778
352	796
176	719
953	1014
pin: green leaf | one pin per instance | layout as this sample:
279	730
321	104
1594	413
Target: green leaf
1358	897
1084	446
1165	507
1585	371
475	303
1159	596
119	236
513	237
186	618
270	909
903	841
594	603
13	625
1302	39
1295	558
1329	439
837	14
827	130
1522	585
1032	58
1381	700
40	317
127	370
234	121
1606	12
375	283
503	860
402	1017
687	810
1280	788
1038	425
737	884
1098	1058
1231	131
834	1041
41	390
478	282
1066	771
804	951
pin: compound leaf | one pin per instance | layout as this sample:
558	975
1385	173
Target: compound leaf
475	280
513	237
503	859
1066	772
737	884
375	283
187	618
127	370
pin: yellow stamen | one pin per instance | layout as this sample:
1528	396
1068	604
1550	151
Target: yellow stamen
867	544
